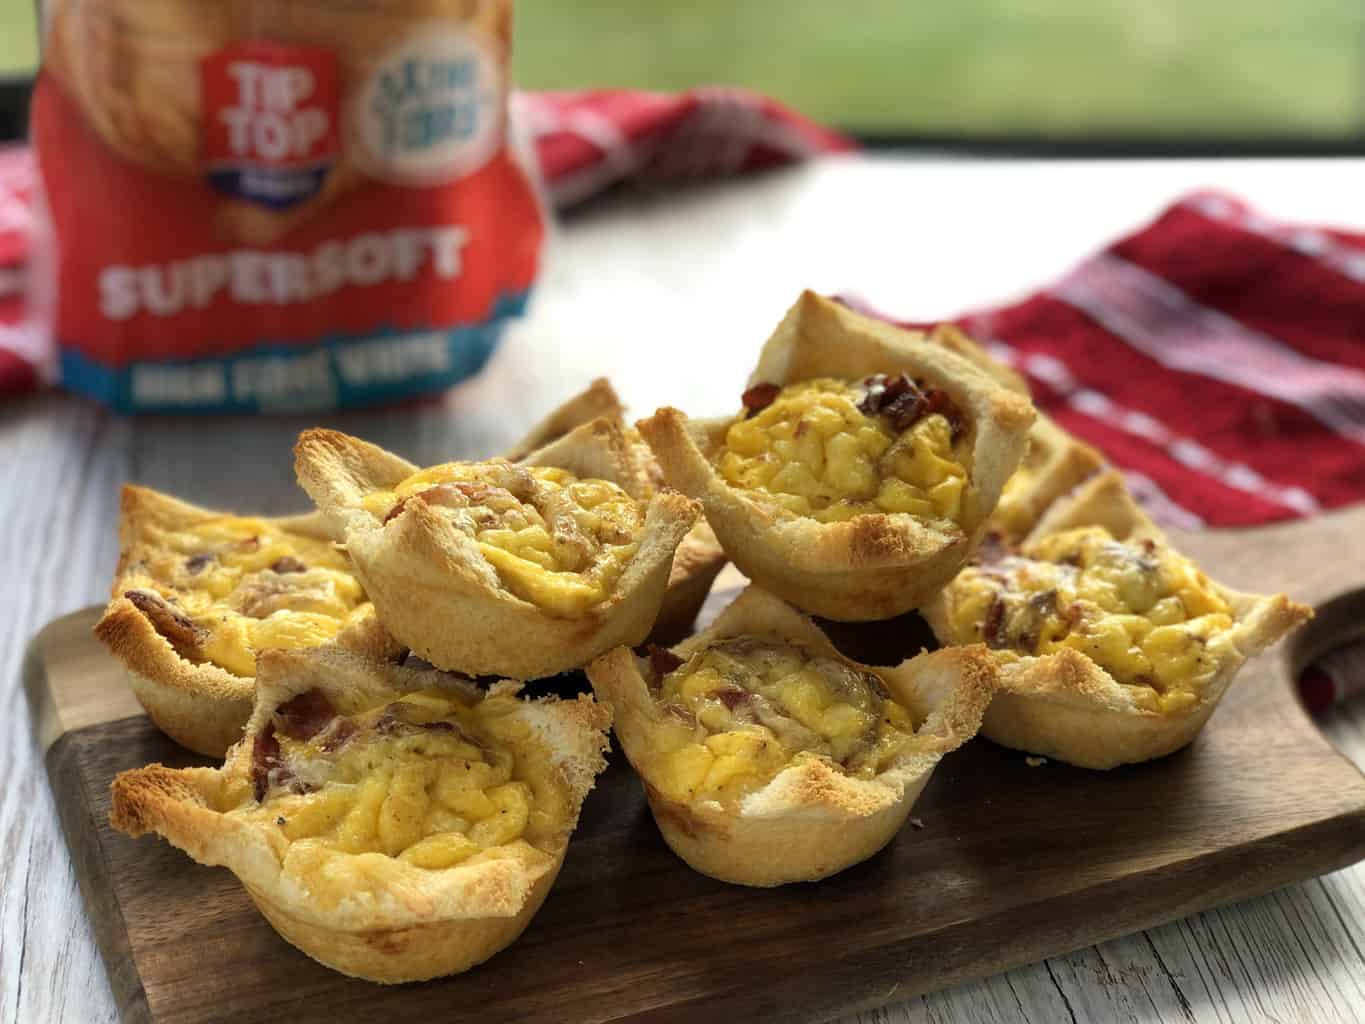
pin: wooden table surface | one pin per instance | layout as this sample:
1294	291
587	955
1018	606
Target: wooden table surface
670	296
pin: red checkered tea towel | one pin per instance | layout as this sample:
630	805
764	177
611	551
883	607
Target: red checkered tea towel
21	350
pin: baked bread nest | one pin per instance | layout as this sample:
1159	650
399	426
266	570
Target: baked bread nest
868	564
742	799
444	552
394	824
1173	639
195	590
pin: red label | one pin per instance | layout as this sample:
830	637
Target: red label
146	271
270	130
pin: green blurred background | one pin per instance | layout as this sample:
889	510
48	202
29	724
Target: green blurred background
1066	68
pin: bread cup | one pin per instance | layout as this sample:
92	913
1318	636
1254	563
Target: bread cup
862	470
1113	648
521	570
197	593
394	824
745	791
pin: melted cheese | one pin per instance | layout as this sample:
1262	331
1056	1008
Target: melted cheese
553	539
742	710
432	780
1143	613
222	574
814	453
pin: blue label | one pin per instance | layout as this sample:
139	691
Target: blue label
338	372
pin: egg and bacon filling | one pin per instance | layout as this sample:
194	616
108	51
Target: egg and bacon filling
555	540
739	712
433	780
230	586
834	449
1141	611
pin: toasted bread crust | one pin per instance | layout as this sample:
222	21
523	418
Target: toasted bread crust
1064	706
598	401
821	819
432	922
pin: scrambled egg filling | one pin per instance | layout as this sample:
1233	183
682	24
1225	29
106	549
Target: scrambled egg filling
742	710
433	780
554	540
814	452
1013	512
245	585
1142	612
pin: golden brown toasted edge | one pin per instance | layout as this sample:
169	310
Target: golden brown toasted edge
337	471
811	820
414	923
1065	706
1055	464
198	704
598	400
955	339
870	567
423	573
1101	500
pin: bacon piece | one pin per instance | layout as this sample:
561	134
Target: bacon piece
394	723
733	696
896	396
288	563
1039	608
261	595
661	660
196	564
993	630
992	549
173	624
941	402
759	397
906	403
249	545
305	715
266	761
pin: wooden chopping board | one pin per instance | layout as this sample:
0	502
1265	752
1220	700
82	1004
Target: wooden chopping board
1010	864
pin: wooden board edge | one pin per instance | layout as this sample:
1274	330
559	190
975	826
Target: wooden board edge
44	718
1033	932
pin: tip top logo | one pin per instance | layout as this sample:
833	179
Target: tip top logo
270	130
430	111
